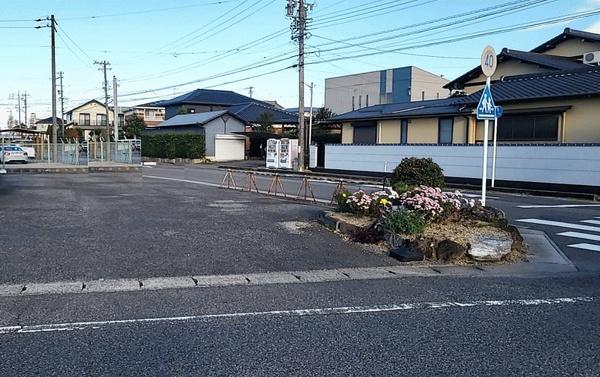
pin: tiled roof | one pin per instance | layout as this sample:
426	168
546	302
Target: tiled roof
575	83
446	106
584	82
548	61
206	96
251	111
568	33
191	119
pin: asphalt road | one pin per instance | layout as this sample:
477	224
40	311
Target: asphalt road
95	226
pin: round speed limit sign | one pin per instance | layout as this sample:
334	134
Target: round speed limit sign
488	61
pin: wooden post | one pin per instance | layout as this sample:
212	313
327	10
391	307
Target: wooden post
338	190
307	188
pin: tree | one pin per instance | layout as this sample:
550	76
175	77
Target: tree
324	113
72	133
265	122
133	126
182	110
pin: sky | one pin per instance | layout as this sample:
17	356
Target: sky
160	49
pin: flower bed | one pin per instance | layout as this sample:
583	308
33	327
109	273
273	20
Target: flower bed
429	223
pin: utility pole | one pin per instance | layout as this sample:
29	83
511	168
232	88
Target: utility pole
296	10
104	68
19	107
116	122
53	48
62	102
25	106
310	121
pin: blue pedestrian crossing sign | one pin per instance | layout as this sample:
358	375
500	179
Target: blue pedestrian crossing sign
486	109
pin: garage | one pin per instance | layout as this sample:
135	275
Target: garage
229	147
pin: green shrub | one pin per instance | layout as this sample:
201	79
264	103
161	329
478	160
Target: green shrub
401	187
404	222
342	201
414	171
173	146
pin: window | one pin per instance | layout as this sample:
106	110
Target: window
359	102
101	119
367	101
445	128
84	119
365	132
352	103
423	96
528	128
404	131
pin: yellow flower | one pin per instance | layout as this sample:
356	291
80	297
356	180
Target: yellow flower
344	194
383	201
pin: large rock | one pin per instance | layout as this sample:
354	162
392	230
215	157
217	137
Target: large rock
449	250
426	246
407	254
490	248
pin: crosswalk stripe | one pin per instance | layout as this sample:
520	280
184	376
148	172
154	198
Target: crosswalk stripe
595	222
586	246
559	205
561	224
584	236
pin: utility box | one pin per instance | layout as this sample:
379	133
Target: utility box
272	153
312	152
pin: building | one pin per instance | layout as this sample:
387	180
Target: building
405	84
152	115
549	133
201	101
91	115
42	125
222	131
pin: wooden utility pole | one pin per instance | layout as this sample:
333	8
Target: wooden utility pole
53	48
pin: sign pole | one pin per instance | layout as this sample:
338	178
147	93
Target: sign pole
485	154
494	152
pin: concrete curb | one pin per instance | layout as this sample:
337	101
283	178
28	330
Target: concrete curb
76	170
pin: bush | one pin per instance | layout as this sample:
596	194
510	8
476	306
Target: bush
342	201
405	222
401	187
414	171
173	146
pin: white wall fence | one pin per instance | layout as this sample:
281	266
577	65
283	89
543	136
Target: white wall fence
556	164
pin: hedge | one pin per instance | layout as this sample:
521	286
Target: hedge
173	146
414	171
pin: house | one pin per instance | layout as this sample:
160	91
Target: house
42	125
91	115
549	133
222	131
201	101
404	84
152	115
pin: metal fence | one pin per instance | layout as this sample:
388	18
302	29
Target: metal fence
83	153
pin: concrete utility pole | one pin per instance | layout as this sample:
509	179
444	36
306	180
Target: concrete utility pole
116	122
62	103
25	107
296	10
19	107
310	121
104	64
53	48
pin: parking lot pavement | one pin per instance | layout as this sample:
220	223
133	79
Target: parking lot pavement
94	226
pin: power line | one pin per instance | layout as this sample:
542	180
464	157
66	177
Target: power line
146	11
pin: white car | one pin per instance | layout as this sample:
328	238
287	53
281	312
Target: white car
10	153
30	150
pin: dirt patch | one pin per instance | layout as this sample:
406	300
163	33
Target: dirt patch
352	219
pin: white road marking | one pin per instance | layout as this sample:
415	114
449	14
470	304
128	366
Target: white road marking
51	327
561	224
467	195
586	246
584	236
595	222
560	206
